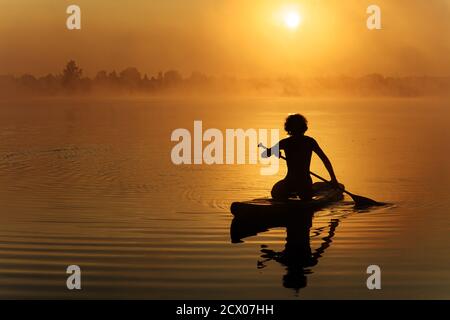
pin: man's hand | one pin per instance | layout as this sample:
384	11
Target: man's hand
335	183
266	153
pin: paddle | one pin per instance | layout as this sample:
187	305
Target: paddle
360	201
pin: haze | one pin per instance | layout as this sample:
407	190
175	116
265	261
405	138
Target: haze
227	37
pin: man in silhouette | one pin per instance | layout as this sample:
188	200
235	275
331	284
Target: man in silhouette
298	150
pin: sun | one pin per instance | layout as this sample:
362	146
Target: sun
292	19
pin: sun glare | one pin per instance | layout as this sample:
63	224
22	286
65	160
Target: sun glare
292	19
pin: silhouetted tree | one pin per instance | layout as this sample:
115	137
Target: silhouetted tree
130	77
172	77
28	81
71	75
147	84
101	81
49	84
198	78
101	76
113	78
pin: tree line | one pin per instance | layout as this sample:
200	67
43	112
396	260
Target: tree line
71	81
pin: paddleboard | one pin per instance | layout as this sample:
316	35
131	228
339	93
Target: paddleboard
324	195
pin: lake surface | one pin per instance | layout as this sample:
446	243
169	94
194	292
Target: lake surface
91	183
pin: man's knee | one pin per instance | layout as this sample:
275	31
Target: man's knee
280	191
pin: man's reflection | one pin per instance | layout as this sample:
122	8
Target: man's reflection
297	256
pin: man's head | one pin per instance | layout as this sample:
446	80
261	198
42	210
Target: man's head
296	124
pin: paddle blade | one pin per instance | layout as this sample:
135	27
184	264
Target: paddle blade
363	202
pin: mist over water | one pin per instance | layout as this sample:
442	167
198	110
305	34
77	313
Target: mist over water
90	182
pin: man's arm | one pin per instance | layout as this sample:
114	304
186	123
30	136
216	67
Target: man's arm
326	161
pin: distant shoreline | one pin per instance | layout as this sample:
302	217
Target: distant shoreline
130	82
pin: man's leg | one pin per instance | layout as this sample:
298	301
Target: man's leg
280	190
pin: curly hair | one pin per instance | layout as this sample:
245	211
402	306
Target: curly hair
296	124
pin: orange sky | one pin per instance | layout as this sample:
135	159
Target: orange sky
239	37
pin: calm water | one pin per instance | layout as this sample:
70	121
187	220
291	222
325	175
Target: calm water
91	183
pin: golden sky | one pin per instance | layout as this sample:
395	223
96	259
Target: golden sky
232	37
